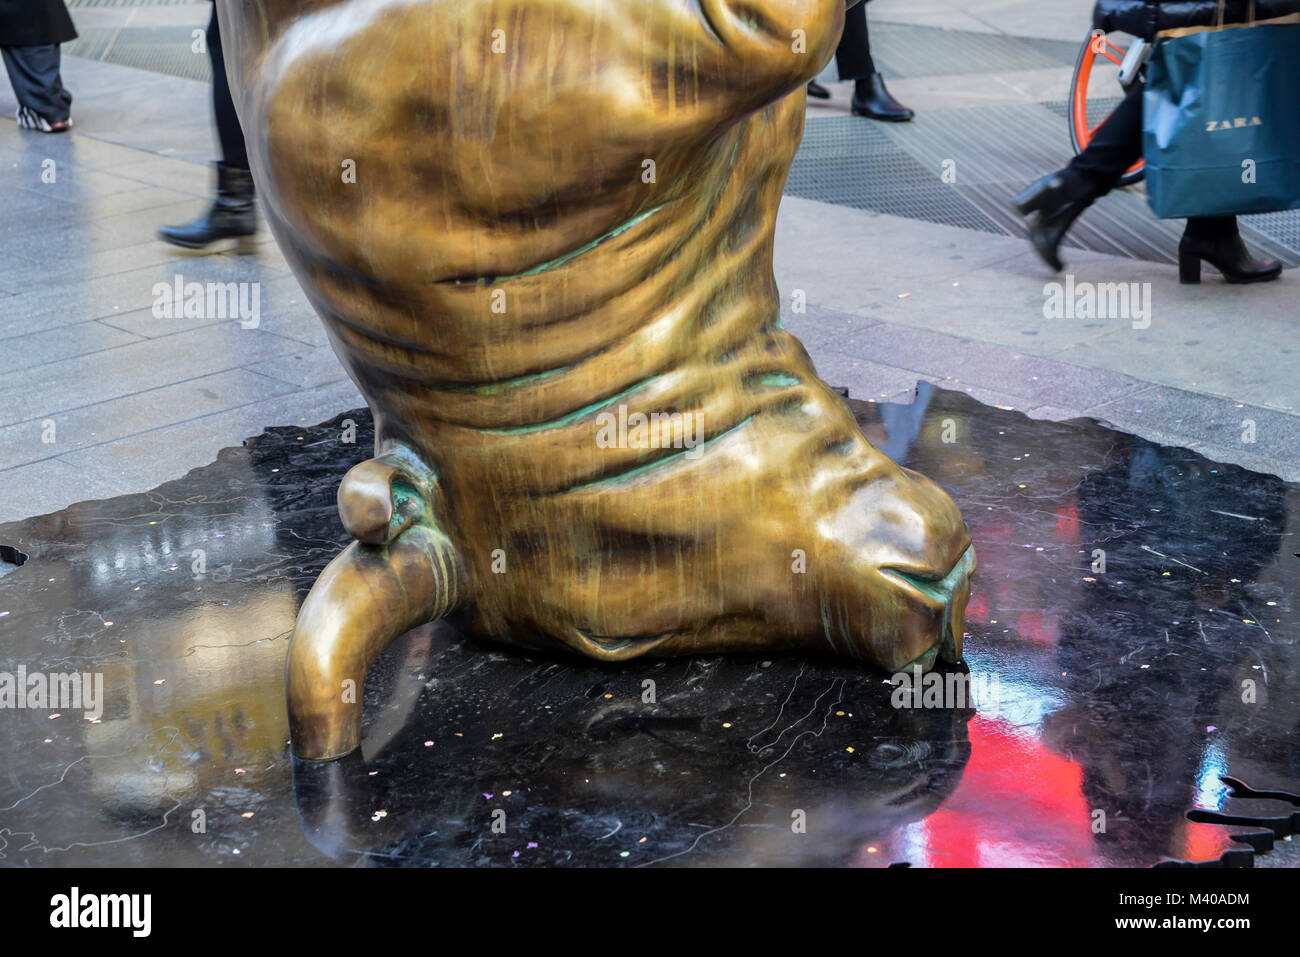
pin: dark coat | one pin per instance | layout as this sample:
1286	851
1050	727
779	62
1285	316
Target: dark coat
1146	18
32	23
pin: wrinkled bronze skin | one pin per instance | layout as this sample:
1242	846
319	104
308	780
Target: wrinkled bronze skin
504	269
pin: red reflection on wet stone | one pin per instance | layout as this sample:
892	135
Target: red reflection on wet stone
1018	805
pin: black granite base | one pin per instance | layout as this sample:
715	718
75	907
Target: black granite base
1109	702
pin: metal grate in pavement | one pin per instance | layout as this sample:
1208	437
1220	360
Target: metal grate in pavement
167	50
907	50
1283	227
1098	109
995	152
851	162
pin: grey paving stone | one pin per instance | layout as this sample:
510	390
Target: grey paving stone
988	366
988	396
65	342
96	154
25	150
845	259
1054	413
78	184
45	262
150	198
1229	340
167	172
132	227
159	14
282	307
50	486
95	424
820	328
921	274
33	211
863	378
144	461
313	367
137	367
1235	427
75	295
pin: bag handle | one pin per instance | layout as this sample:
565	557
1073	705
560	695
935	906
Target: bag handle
1220	13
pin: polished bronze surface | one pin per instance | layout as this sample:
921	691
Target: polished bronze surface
540	235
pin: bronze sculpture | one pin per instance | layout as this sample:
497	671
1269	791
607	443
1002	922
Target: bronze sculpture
540	233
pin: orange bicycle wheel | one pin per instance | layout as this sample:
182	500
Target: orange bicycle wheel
1097	45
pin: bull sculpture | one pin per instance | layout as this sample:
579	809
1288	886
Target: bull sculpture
539	233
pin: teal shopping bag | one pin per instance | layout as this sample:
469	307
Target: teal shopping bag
1221	121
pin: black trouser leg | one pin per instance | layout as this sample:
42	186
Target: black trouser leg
233	151
34	74
853	55
1211	227
1116	146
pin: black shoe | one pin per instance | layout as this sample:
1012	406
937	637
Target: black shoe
233	213
1229	255
1056	211
817	91
871	99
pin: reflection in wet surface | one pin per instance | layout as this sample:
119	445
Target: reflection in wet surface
1133	638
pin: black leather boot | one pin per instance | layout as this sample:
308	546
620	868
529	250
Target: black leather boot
817	91
232	214
1057	207
1226	253
871	99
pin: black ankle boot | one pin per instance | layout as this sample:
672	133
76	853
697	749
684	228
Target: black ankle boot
871	99
1226	253
1057	207
232	214
817	91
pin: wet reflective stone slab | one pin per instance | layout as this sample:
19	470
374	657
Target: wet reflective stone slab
1132	639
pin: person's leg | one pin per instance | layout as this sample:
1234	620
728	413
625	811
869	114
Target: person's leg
34	74
853	55
233	151
853	59
1058	198
1211	227
1115	147
232	213
1215	240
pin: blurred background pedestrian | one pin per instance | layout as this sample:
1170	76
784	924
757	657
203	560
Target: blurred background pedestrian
233	213
30	34
1058	199
853	61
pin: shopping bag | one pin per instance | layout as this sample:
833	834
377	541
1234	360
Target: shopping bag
1221	120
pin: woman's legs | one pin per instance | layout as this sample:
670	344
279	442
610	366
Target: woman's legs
1060	197
854	62
38	87
233	151
1215	240
232	214
1115	147
853	55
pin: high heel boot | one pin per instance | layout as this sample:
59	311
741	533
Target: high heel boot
232	214
1057	207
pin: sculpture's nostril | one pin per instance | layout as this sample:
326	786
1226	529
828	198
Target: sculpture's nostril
952	591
